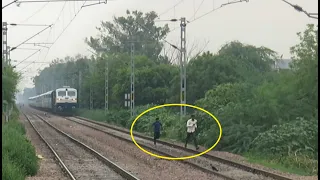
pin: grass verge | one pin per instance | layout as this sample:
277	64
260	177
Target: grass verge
19	158
300	165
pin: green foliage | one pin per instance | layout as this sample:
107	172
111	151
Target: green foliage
296	137
11	170
135	27
257	106
18	152
10	80
301	165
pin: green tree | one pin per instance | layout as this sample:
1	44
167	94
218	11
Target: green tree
10	80
136	27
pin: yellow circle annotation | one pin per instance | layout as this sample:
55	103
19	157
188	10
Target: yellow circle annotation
175	158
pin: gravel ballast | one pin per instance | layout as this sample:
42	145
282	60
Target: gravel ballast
128	156
49	169
81	163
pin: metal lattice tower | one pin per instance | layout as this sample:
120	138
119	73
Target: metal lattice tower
106	87
91	89
79	88
4	58
132	80
183	68
8	56
4	44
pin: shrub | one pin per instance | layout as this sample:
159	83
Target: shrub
18	149
10	170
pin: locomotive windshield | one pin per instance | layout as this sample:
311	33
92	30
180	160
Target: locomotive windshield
61	93
71	93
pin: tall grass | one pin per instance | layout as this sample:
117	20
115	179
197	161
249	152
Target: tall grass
18	155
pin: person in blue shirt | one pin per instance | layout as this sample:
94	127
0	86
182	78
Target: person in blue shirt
156	128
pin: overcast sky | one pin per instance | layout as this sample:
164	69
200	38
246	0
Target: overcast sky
269	23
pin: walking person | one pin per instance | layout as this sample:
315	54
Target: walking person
191	131
156	128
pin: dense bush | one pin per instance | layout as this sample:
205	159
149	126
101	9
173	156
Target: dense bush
11	170
19	157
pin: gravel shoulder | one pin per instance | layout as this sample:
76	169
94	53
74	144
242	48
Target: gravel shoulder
49	169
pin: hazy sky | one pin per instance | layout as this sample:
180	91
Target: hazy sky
270	23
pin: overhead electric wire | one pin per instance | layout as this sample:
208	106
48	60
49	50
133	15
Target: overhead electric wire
63	31
29	38
27	57
213	10
36	12
194	14
68	24
300	9
166	11
188	22
18	24
29	64
9	4
54	23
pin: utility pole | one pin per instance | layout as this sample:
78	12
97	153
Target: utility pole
79	88
4	44
8	56
132	80
72	81
106	87
91	89
183	68
4	59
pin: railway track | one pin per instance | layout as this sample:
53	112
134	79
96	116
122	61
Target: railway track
89	123
77	163
204	166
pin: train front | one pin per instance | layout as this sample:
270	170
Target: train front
66	100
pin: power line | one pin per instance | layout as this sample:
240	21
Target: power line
54	23
15	24
300	9
27	57
213	10
29	38
68	24
63	30
28	64
143	26
36	12
9	4
194	14
60	13
41	1
174	6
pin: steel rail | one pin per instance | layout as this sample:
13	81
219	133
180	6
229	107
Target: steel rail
62	165
208	156
203	169
125	174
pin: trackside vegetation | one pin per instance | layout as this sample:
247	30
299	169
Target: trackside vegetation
19	158
268	115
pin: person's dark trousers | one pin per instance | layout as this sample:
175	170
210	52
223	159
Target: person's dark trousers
155	137
191	135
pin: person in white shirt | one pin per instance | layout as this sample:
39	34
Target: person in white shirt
191	129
